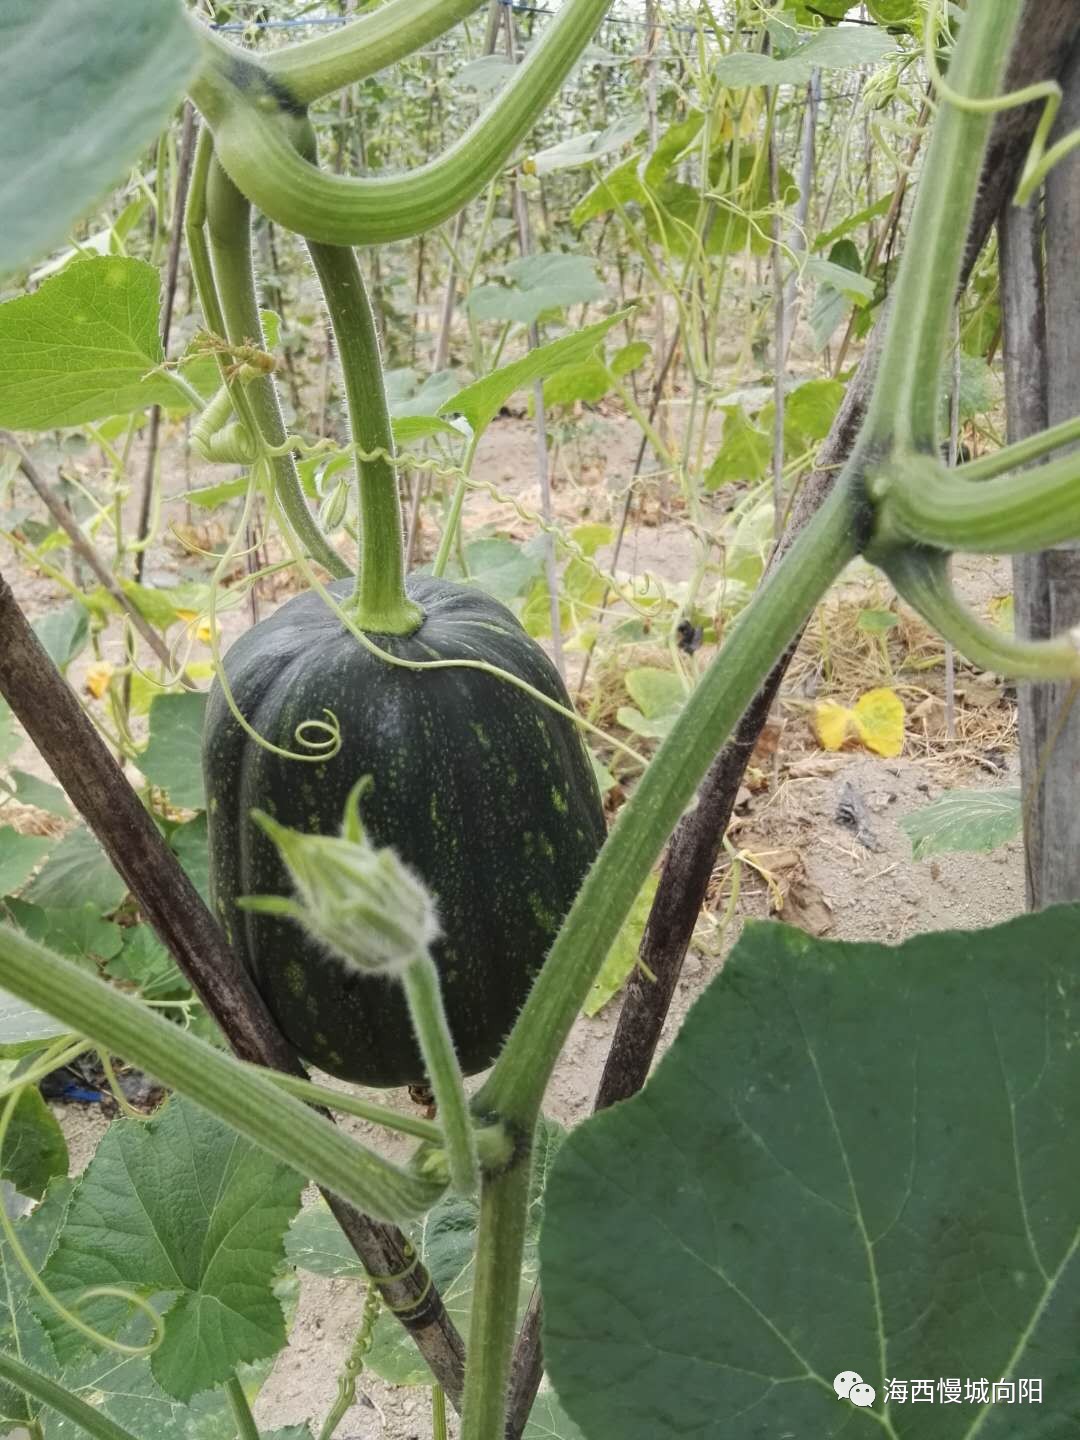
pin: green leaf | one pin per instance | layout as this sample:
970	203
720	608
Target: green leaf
18	856
485	75
588	382
965	820
172	758
482	401
810	409
10	739
549	1421
24	1030
64	633
659	696
81	347
744	452
83	97
191	846
852	285
655	691
631	357
20	1330
538	283
853	1157
108	241
588	147
673	145
291	1432
828	238
622	957
154	605
29	790
620	186
834	295
407	399
411	429
892	12
77	873
877	622
830	49
78	932
209	497
145	963
179	1207
978	391
125	1391
316	1242
35	1151
501	567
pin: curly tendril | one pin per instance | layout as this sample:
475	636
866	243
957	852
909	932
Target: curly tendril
1040	160
312	751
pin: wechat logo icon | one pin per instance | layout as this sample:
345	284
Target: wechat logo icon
849	1385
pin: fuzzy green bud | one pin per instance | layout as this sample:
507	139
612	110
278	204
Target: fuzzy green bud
364	904
334	507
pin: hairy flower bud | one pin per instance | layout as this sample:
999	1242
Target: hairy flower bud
364	904
334	507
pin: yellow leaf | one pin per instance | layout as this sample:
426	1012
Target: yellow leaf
879	722
187	615
831	723
98	677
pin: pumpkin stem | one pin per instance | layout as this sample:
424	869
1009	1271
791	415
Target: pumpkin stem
380	603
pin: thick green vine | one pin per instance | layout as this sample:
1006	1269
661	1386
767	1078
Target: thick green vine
259	135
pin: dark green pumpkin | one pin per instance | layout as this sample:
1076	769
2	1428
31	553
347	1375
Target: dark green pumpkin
488	794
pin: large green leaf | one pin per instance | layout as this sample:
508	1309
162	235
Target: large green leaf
83	346
65	632
77	931
144	962
965	820
588	147
180	1207
10	739
191	845
502	567
830	49
20	1330
18	856
549	1421
482	401
77	873
173	755
538	283
744	453
852	1158
622	957
659	695
86	87
30	790
125	1390
23	1029
35	1151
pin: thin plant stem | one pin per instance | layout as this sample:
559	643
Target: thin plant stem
246	1429
424	996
